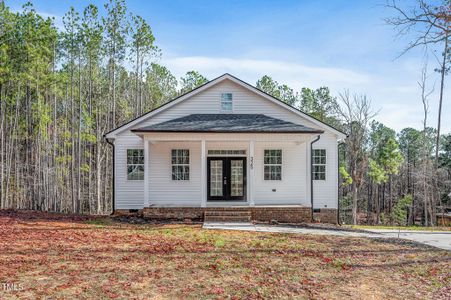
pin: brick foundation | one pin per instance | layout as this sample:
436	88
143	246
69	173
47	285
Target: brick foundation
281	214
128	212
326	215
173	213
287	214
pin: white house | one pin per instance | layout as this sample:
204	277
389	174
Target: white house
227	149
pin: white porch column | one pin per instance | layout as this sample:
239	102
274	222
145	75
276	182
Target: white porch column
203	174
251	173
146	172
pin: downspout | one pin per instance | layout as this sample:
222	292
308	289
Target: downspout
311	171
113	204
338	170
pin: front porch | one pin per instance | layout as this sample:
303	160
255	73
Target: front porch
224	170
227	179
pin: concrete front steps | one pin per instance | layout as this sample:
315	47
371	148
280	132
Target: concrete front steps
228	216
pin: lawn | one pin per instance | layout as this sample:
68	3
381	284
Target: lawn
71	257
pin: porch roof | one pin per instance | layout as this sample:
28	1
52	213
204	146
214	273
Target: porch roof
228	123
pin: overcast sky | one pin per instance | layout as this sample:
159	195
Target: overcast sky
339	44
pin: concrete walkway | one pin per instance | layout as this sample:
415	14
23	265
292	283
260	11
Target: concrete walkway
437	239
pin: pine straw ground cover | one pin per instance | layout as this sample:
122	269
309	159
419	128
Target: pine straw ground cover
50	256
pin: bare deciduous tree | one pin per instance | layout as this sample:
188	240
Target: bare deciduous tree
426	170
356	114
430	25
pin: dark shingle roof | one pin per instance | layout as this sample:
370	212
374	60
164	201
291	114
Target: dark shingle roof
255	123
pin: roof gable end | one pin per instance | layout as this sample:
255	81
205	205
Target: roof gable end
112	134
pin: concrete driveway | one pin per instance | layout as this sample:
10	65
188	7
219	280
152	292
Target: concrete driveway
439	239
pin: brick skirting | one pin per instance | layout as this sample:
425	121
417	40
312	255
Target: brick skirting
281	214
287	214
326	215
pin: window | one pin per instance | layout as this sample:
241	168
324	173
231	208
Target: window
180	164
273	164
319	164
226	101
226	152
135	164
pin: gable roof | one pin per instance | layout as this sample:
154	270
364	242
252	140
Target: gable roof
237	123
226	76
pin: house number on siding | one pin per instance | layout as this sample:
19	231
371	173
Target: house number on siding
252	163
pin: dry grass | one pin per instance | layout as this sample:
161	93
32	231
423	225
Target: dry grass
72	258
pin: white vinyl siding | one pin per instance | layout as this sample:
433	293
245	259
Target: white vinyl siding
129	194
326	191
294	188
244	102
163	191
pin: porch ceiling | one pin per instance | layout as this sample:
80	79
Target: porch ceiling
228	123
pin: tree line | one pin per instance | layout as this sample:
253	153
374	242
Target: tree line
62	89
385	176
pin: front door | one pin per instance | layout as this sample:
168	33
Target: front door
226	178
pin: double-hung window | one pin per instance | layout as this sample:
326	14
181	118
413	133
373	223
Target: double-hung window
135	164
272	161
226	102
319	164
180	164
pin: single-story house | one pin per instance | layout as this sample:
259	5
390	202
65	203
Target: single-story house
227	151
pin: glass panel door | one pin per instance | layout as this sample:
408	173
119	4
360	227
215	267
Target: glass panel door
226	178
216	173
236	178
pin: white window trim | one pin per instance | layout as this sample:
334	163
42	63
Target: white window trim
127	164
186	165
281	166
319	164
220	102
